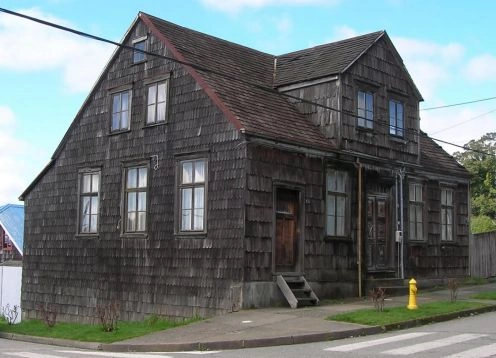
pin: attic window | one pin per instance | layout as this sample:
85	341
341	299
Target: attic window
139	45
365	109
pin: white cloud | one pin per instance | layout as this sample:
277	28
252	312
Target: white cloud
12	169
343	32
284	25
234	6
482	68
29	46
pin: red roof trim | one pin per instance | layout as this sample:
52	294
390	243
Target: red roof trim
198	78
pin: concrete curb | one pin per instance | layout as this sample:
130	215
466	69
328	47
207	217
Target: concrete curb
52	341
247	343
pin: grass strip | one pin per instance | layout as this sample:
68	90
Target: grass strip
490	295
391	315
90	332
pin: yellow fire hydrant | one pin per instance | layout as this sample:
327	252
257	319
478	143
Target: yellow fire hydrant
412	297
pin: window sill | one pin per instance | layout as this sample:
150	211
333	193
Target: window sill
364	129
134	235
337	238
191	235
139	62
117	132
87	236
397	139
152	125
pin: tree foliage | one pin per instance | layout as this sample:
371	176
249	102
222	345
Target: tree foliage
480	161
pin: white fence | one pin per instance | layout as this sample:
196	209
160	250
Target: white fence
10	287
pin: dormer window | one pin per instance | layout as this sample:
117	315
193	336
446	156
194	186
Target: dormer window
139	45
365	110
396	119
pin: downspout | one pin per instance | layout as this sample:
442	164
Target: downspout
359	228
402	174
397	244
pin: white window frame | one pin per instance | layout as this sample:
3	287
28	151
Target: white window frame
336	193
447	214
136	199
192	213
153	113
89	201
120	115
415	212
396	123
365	114
138	56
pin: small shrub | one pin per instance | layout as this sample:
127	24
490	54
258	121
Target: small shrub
378	296
48	314
10	314
453	286
108	315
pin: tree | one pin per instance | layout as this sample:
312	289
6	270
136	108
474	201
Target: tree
480	161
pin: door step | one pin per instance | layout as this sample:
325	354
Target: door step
297	291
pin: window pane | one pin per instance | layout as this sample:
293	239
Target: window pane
187	198
124	120
141	222
340	226
142	201
116	103
449	217
199	198
340	181
443	197
142	172
443	216
331	205
361	99
116	117
152	94
94	205
162	92
331	228
449	233
95	183
86	207
399	112
150	114
198	219
131	221
93	223
85	223
331	180
449	197
369	124
125	101
361	120
86	184
340	206
161	112
419	231
419	218
131	202
199	171
187	176
369	103
132	178
412	230
186	220
443	232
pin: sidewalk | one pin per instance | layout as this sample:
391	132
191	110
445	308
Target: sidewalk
271	326
280	326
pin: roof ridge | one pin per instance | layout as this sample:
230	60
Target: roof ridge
354	38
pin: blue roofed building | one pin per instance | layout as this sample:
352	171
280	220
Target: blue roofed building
11	232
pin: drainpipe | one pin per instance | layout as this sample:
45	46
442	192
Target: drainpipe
397	228
402	174
359	228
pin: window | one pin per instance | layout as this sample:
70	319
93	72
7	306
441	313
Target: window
192	195
365	109
139	45
135	196
157	102
416	208
446	215
396	123
89	188
336	202
121	105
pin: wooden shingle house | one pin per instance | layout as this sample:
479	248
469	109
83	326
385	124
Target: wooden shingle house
201	176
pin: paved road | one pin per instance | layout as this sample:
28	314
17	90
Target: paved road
472	337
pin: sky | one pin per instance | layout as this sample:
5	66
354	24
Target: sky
448	47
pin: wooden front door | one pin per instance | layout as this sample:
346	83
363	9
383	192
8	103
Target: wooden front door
287	230
377	234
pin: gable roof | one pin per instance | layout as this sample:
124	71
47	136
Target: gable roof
239	80
323	60
436	160
12	221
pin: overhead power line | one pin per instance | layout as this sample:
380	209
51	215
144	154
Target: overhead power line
458	104
230	77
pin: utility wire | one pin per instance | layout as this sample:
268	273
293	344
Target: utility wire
463	122
227	76
458	104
